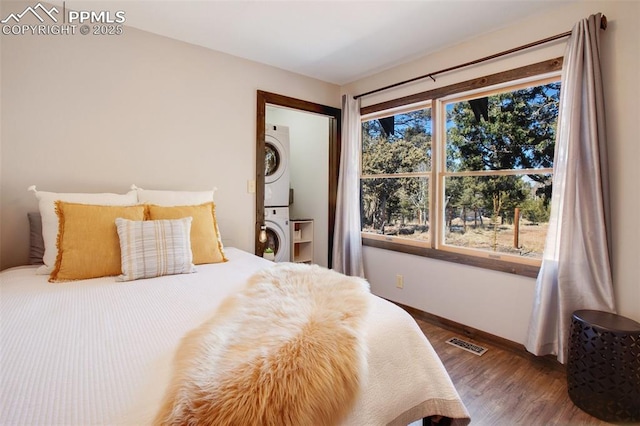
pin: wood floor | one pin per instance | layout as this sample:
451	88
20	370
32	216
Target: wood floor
502	387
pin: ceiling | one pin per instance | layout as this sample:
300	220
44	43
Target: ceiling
333	41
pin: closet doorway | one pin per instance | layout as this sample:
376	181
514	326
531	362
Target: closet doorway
285	111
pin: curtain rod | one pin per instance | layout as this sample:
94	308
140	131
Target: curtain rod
603	25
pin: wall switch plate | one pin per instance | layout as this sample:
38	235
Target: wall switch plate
399	281
251	186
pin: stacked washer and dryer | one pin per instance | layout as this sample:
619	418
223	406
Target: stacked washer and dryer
276	191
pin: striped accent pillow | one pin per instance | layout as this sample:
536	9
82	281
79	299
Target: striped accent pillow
153	248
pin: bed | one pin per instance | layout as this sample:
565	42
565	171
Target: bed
102	352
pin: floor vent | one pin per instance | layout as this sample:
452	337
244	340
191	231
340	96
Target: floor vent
467	346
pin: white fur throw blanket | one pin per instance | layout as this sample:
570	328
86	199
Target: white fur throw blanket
286	350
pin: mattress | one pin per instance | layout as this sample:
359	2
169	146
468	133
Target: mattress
99	352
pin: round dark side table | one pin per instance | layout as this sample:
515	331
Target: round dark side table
603	366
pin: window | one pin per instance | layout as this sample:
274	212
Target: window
463	175
396	172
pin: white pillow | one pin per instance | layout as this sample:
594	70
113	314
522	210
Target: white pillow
173	198
46	204
153	248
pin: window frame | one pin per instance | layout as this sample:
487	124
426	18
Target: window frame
436	249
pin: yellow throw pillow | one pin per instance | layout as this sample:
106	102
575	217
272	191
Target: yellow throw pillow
88	243
206	244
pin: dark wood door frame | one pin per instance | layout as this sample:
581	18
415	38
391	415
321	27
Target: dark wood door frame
334	114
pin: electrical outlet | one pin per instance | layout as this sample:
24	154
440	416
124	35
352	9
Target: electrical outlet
399	281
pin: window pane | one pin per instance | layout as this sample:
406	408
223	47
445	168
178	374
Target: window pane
397	144
396	206
480	213
510	130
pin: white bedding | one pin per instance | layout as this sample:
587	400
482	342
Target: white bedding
99	351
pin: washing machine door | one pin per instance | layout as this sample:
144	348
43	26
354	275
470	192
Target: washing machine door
275	159
276	241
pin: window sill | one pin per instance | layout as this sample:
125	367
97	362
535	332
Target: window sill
465	259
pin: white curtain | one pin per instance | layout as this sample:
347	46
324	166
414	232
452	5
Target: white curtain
575	272
347	243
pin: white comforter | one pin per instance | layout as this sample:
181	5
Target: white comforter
99	351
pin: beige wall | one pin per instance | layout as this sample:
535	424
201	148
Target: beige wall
99	113
492	301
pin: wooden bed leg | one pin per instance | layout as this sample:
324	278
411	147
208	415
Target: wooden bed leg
436	421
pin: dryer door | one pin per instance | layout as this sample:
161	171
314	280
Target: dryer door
275	159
